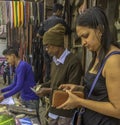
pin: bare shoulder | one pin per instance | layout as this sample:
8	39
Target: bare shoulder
112	63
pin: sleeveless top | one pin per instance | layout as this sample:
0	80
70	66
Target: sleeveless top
99	94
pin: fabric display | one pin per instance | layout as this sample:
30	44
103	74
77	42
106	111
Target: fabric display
18	16
19	13
23	19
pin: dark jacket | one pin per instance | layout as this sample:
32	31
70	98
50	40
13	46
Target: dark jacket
69	72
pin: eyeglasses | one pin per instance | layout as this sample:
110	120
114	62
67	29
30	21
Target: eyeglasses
47	47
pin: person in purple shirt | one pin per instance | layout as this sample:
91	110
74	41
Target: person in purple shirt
23	80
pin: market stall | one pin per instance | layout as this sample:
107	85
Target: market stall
13	113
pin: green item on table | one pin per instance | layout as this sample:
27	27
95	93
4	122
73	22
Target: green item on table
7	120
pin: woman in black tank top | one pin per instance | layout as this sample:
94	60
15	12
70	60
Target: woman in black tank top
103	105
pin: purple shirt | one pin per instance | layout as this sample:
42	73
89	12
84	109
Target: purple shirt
23	81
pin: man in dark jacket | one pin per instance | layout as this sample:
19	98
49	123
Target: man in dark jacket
65	68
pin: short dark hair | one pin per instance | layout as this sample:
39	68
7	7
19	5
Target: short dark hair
57	6
10	51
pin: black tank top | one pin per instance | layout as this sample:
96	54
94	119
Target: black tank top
99	94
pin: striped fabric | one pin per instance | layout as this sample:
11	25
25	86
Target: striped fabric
3	13
20	13
11	13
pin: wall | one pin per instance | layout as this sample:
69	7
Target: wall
3	44
3	40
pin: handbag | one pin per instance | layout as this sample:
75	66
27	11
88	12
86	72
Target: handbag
60	96
77	120
77	117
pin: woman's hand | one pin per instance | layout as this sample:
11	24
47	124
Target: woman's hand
70	87
43	91
71	103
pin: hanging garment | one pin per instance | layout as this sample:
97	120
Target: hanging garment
8	12
35	13
37	52
24	24
31	13
38	13
14	13
11	13
27	12
18	13
3	11
5	16
21	13
0	12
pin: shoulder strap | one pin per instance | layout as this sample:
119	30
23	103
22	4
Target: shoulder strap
100	70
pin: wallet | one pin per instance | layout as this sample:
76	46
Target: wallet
60	96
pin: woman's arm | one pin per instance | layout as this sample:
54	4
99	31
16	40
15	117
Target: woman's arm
111	108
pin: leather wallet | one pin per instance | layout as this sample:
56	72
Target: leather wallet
60	96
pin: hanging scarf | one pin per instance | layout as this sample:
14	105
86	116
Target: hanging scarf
38	14
11	14
3	11
21	13
14	14
18	13
8	11
25	14
31	13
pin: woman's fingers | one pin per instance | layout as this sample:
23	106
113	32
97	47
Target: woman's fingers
66	105
63	106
